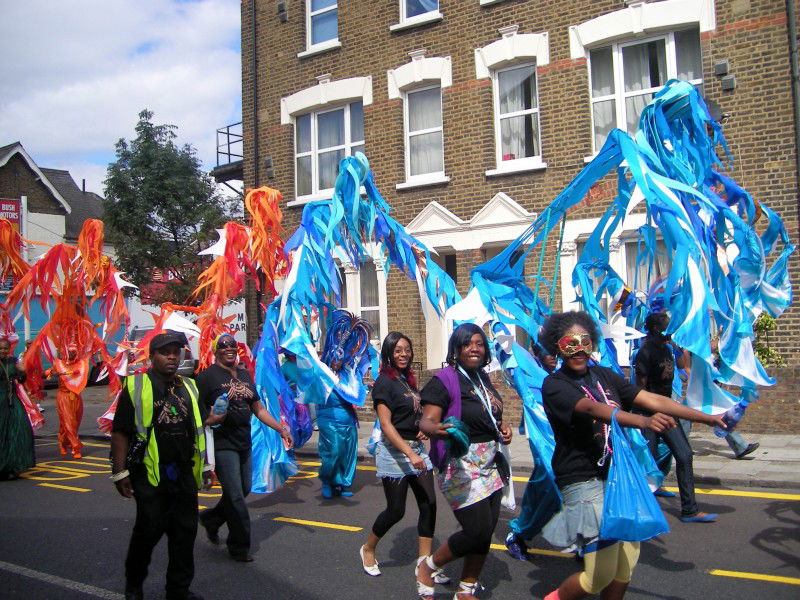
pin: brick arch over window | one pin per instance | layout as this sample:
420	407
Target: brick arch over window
421	70
641	19
512	48
326	93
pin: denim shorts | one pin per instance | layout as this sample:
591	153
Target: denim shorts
577	524
390	462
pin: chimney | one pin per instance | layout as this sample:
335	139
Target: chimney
83	186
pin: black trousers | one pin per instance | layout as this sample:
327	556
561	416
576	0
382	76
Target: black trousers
396	490
169	510
477	526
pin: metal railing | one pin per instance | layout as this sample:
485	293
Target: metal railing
230	144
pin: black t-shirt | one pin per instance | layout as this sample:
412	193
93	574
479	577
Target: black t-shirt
580	439
656	362
173	423
234	432
402	401
473	410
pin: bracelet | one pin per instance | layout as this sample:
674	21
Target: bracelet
120	476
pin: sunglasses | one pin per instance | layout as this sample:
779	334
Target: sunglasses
229	343
570	345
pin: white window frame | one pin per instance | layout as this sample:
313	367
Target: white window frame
352	302
527	163
426	178
324	46
421	19
316	192
620	95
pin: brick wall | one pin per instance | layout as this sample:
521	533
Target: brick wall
750	34
18	179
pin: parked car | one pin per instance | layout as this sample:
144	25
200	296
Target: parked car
187	365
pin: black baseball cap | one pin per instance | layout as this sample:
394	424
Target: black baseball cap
168	337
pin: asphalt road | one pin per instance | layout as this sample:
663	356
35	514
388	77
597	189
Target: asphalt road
69	542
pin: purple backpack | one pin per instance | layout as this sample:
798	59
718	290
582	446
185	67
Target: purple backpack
449	377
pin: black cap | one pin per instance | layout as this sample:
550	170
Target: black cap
168	337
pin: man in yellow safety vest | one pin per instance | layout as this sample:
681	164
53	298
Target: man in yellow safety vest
159	458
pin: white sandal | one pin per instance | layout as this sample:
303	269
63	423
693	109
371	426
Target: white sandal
438	575
424	590
465	587
373	570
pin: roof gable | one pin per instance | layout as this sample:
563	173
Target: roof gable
7	152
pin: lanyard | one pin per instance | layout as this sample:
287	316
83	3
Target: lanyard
483	394
607	450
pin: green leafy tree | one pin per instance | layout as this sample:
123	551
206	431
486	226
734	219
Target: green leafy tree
768	357
161	209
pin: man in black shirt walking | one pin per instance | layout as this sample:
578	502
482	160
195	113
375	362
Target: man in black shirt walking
655	368
159	459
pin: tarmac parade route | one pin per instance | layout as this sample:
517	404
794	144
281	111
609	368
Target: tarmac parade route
64	475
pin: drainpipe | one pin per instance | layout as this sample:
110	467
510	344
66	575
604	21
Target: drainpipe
791	26
254	335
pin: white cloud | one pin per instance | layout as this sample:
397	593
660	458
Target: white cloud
76	74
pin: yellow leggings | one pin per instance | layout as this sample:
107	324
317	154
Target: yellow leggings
612	563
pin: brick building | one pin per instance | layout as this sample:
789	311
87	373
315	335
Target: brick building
474	114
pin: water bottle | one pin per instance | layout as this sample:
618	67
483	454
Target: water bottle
731	419
220	407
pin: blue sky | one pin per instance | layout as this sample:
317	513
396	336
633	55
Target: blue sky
75	75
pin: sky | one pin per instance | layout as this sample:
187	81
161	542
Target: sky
76	73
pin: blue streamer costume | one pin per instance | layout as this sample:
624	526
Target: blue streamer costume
720	267
351	228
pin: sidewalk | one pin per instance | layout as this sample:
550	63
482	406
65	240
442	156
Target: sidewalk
776	463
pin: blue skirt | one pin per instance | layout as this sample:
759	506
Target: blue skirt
390	462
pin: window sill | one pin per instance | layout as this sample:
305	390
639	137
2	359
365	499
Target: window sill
423	181
323	195
488	2
588	159
320	48
301	200
423	19
522	167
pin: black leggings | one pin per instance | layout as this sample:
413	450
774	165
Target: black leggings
477	526
395	491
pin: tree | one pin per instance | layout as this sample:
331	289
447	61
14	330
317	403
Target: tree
161	209
766	355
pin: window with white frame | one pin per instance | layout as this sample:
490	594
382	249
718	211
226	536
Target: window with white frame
642	275
423	129
516	108
322	140
322	22
361	291
416	8
625	76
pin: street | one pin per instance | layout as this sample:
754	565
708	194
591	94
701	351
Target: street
65	532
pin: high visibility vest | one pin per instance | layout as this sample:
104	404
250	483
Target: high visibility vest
140	389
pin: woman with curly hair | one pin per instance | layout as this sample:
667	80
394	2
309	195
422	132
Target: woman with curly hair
400	456
579	401
460	403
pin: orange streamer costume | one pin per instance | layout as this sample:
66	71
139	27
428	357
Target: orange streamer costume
65	275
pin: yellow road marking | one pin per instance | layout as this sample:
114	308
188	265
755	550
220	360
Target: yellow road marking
96	445
201	507
65	487
97	458
758	576
38	443
312	463
302	475
742	494
537	551
318	524
29	474
204	495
